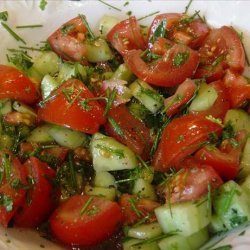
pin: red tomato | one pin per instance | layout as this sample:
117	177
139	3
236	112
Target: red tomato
183	94
177	64
68	107
85	220
238	88
126	36
132	133
15	85
58	153
221	105
39	199
161	45
144	207
16	196
182	137
191	183
224	43
67	41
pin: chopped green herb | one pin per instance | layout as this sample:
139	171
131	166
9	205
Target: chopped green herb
84	103
160	31
187	20
43	4
72	172
134	208
242	233
68	93
111	98
129	13
188	6
7	202
118	130
180	138
126	3
237	221
226	247
29	26
67	28
4	15
90	33
149	15
86	205
118	152
6	163
12	33
93	211
180	58
109	5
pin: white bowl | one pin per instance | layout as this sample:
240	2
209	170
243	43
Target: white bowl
21	12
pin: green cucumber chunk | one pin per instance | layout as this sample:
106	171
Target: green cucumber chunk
231	205
245	185
175	242
48	84
40	134
198	239
22	108
122	73
5	106
134	244
67	137
187	217
145	231
245	160
144	189
106	193
106	24
149	97
216	225
110	155
104	179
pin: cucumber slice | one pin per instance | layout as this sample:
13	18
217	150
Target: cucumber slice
40	135
145	231
6	142
205	98
149	97
186	217
231	205
198	239
106	24
67	137
216	225
5	106
131	245
144	189
175	242
246	185
22	108
98	51
48	84
107	193
110	155
104	179
122	73
34	75
47	63
238	118
245	161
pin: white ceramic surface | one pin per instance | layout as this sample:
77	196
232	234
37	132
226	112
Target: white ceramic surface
21	12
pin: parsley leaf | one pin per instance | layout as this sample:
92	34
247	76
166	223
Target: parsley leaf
4	15
43	4
180	58
160	31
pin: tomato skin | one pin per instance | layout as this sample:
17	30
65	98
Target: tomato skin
135	134
15	85
182	137
183	94
59	110
191	183
238	88
73	228
31	215
16	195
221	105
144	206
126	36
163	72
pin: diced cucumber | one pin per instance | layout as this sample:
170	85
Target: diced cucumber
198	239
145	231
109	154
216	225
40	134
34	75
104	179
205	98
238	118
149	97
175	242
245	160
122	73
5	106
48	84
144	189
246	185
69	70
6	142
47	63
107	193
67	137
106	24
147	174
231	205
22	108
133	244
139	110
98	51
186	217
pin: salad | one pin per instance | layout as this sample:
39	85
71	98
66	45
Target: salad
135	137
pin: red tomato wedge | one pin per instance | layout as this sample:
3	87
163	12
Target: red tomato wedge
132	132
191	183
85	220
177	64
224	44
67	41
12	197
126	36
144	208
68	107
39	198
15	85
182	137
